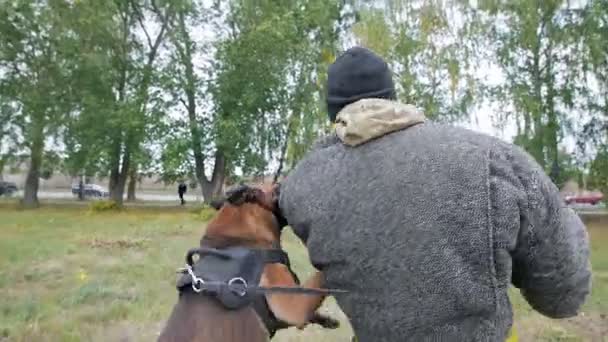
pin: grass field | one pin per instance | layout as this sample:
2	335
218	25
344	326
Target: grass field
72	275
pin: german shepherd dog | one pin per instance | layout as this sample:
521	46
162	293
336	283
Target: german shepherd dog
247	217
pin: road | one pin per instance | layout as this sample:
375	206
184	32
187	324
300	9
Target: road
142	196
195	197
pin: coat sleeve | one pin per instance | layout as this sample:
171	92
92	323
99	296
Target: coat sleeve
290	207
294	189
551	259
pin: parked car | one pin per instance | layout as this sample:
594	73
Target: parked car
7	188
592	198
91	190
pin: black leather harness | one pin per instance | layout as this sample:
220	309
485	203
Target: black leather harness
232	275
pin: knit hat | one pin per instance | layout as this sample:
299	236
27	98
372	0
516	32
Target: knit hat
357	74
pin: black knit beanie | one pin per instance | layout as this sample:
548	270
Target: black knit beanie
357	74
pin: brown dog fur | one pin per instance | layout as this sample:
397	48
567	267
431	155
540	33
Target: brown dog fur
196	318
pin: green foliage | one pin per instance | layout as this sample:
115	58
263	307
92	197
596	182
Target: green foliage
535	45
375	33
206	214
261	96
36	63
176	161
11	144
252	67
103	206
568	169
593	32
432	55
123	88
598	176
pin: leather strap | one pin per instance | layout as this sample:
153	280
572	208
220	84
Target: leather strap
243	289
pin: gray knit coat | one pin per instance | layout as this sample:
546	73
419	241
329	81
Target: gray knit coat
428	225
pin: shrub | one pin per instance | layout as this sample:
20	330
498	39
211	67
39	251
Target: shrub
197	209
206	214
105	205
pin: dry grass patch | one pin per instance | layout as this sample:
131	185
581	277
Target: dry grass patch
67	275
124	243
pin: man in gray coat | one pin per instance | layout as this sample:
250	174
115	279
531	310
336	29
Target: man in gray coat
425	224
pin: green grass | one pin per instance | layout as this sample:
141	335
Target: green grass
72	275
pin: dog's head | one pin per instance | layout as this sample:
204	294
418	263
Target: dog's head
248	213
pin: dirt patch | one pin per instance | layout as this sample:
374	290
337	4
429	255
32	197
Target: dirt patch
179	230
594	327
48	271
585	327
51	265
116	243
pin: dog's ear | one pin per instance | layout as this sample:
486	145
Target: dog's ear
275	195
217	204
244	194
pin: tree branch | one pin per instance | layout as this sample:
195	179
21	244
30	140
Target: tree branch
143	27
183	102
139	16
163	29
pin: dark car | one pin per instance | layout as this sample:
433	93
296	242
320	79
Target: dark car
7	188
91	190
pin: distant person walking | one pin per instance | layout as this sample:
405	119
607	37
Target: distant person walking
80	190
181	190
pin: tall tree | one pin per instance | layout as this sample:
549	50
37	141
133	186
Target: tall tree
35	59
323	28
240	113
88	130
133	85
598	176
594	135
431	52
538	52
10	142
188	90
122	43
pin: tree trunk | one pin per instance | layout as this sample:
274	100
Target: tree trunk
208	188
536	147
116	190
132	185
120	173
283	153
32	181
115	153
552	129
2	163
120	179
212	189
115	172
196	140
210	192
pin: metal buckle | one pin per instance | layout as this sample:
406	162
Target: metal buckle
238	280
195	280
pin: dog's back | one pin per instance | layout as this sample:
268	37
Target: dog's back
197	318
